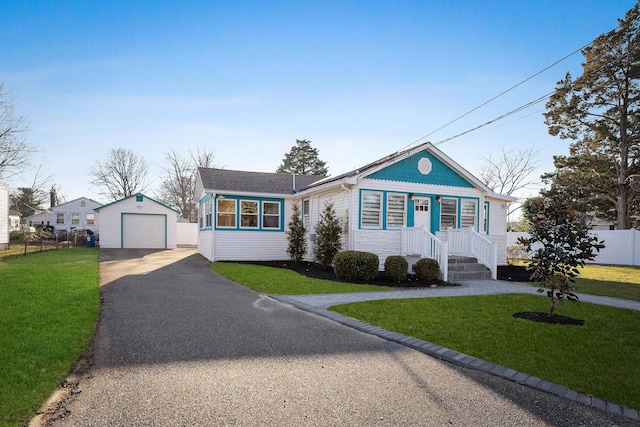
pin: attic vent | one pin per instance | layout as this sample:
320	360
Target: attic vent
424	166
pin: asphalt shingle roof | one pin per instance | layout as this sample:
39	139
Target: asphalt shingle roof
254	182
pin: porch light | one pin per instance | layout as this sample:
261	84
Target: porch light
438	198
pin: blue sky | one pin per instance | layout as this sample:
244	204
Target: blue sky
360	79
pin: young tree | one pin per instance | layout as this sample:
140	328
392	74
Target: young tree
303	160
15	152
560	241
296	235
600	110
328	236
179	180
122	174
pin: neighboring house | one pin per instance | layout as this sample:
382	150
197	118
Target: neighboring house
4	217
137	221
14	221
78	213
417	202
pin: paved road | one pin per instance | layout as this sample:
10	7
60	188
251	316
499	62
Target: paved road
179	345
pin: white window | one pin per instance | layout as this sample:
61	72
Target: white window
60	218
208	213
468	213
371	212
226	216
396	209
305	214
448	213
75	218
270	215
248	214
91	219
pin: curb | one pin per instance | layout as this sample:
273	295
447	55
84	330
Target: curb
471	362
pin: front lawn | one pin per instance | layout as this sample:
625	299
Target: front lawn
48	311
610	280
600	358
281	281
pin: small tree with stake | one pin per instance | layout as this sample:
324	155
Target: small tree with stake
297	244
560	241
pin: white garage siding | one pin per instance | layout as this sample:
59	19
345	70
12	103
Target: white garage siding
145	231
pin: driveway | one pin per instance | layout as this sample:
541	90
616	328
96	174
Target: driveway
178	344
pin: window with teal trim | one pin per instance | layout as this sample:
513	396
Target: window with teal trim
248	214
139	198
371	211
448	213
270	215
396	210
226	217
468	213
208	207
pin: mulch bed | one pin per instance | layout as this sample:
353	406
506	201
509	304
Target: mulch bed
556	319
315	271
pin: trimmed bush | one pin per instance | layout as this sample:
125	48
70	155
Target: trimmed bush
427	270
395	268
355	266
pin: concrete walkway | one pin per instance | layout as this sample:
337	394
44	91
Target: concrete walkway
319	304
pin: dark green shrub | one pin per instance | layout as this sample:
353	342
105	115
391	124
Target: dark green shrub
296	235
16	235
355	266
395	268
328	240
427	270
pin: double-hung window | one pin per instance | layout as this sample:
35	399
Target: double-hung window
448	213
248	214
396	210
270	215
305	213
208	213
60	218
226	213
75	218
371	212
91	219
468	213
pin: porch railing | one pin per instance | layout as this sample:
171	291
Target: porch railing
419	241
467	242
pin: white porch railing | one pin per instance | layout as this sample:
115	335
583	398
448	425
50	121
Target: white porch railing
467	242
419	241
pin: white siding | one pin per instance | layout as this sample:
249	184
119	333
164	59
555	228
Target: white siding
250	246
382	243
205	244
4	217
497	217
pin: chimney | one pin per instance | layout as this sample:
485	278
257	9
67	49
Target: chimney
53	197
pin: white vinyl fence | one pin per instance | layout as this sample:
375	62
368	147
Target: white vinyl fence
622	247
187	234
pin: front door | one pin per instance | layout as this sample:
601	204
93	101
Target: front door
421	214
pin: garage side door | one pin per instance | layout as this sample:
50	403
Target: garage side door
144	231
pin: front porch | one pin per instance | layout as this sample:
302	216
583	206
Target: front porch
448	246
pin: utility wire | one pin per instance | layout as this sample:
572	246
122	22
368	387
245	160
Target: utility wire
498	96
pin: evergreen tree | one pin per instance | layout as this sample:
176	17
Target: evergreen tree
328	236
600	112
303	160
297	243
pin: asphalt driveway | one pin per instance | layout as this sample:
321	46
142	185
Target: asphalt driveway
178	344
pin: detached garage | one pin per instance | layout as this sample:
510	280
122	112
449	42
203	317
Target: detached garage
138	222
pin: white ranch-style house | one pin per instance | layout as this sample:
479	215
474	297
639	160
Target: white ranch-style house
76	214
415	203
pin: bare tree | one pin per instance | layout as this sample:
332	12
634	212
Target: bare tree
510	171
122	174
15	152
179	179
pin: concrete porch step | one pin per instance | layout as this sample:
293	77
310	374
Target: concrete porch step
467	268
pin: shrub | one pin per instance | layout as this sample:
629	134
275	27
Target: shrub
328	236
427	270
296	235
395	268
355	266
16	235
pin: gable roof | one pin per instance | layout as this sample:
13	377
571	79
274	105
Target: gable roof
217	180
135	195
73	201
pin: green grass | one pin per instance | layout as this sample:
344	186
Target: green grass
281	281
611	281
600	358
48	311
